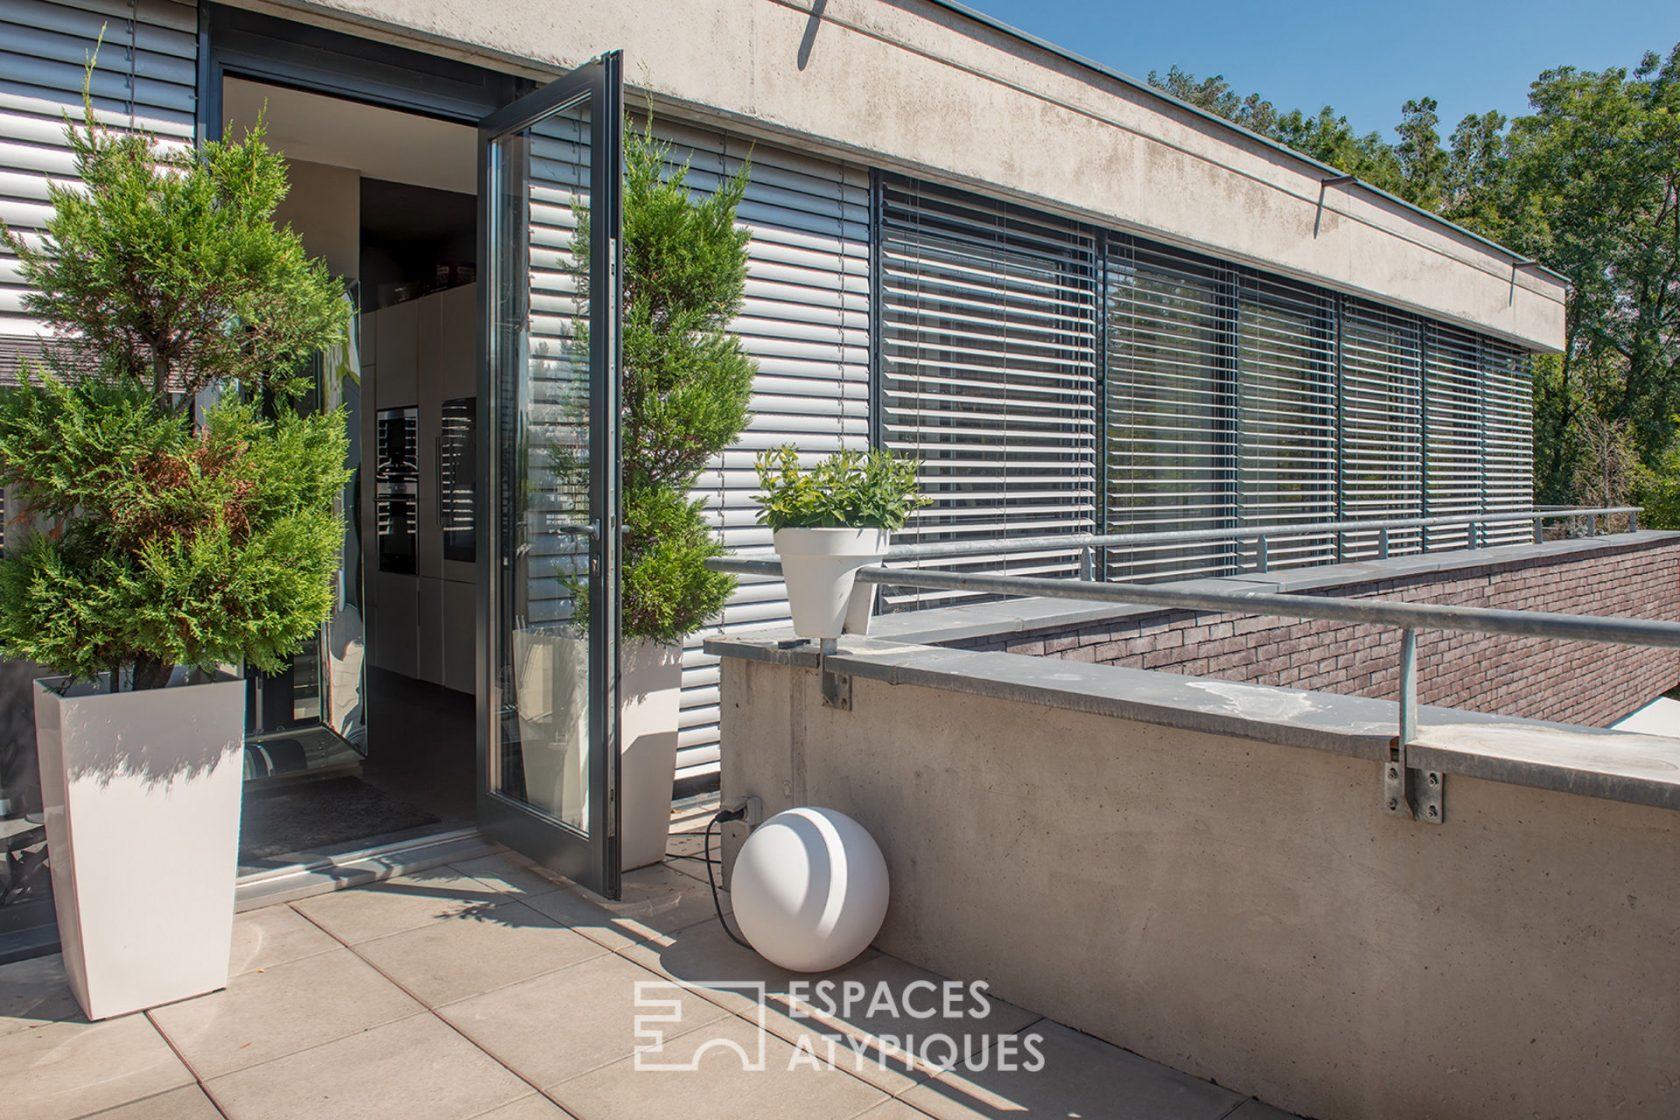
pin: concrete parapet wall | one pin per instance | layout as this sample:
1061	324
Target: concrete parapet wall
1238	907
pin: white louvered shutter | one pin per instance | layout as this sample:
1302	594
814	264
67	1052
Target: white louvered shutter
1286	416
988	373
1171	409
146	79
1453	384
1508	438
1381	387
806	322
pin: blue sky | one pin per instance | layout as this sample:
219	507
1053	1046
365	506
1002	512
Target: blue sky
1365	59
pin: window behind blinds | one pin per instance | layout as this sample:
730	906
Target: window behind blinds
146	79
1170	408
1381	388
1508	438
1286	416
988	371
805	320
1452	432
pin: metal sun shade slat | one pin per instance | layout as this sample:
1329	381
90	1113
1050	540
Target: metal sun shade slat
805	322
988	370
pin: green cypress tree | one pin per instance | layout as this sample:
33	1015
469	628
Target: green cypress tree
686	383
163	541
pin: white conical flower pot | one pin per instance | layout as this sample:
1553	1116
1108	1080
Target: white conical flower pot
820	568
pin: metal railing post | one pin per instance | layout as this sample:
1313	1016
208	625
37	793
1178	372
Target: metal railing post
1539	530
1408	685
1262	553
1633	522
1592	524
1398	798
1088	564
1382	543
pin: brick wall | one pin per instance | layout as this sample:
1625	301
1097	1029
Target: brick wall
1573	682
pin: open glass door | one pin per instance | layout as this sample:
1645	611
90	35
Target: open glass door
549	187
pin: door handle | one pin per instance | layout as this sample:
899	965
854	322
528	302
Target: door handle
591	529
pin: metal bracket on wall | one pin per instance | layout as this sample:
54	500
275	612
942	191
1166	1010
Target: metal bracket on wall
836	687
1324	185
1410	792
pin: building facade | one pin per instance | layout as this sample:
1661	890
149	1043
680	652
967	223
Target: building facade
1084	306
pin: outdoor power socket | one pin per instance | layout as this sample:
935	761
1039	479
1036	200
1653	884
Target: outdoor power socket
750	807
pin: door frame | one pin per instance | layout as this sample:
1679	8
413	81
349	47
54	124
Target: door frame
591	859
236	42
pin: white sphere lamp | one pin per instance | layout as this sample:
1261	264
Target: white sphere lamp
809	889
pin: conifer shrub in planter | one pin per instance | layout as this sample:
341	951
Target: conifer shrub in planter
684	397
830	521
180	524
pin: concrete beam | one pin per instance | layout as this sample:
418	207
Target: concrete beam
916	87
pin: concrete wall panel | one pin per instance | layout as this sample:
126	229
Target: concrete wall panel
915	87
1242	910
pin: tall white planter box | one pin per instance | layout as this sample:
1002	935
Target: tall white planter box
141	792
554	708
820	569
650	700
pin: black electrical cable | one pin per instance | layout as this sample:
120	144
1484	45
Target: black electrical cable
711	879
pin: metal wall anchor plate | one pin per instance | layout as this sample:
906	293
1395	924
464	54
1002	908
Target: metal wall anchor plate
837	691
1409	792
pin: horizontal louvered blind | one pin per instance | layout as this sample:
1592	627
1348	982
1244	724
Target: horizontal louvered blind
146	79
1170	409
1286	416
1381	387
1508	438
1452	435
988	371
551	400
805	321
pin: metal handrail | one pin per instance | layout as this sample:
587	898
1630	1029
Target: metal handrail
1408	618
1473	523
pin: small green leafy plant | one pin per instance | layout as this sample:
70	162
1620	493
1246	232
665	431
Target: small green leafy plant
847	490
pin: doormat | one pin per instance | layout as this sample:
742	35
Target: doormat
309	816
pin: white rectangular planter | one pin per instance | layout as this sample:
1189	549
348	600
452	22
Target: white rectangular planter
554	720
141	792
650	699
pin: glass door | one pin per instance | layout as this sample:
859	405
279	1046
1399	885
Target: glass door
549	186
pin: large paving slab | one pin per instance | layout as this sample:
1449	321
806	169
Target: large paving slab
269	1014
1079	1076
656	902
730	1070
73	1068
274	935
399	904
414	1069
467	954
577	1019
33	993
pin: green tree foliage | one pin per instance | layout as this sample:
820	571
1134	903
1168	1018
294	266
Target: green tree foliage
686	384
1587	183
163	542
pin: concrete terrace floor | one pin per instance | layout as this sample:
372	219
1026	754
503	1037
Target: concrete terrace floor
491	990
